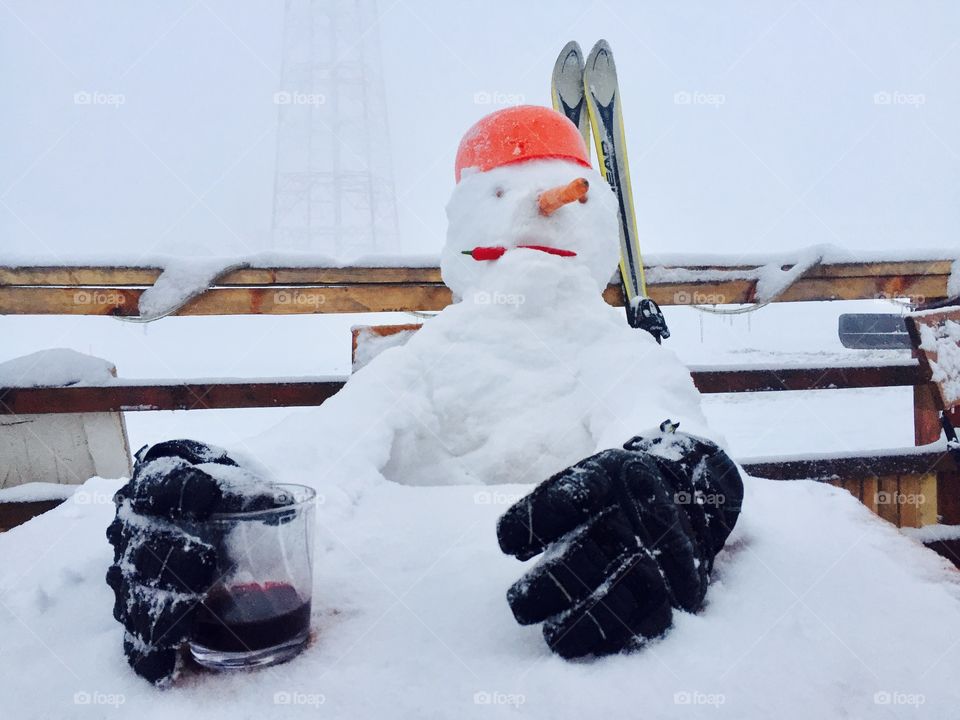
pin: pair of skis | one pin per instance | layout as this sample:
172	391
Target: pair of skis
588	94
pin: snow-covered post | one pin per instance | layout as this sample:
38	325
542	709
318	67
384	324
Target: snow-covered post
926	416
936	339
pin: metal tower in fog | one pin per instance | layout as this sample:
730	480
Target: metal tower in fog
333	189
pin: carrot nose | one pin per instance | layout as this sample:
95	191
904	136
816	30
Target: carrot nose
554	198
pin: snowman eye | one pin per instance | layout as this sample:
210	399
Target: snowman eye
498	192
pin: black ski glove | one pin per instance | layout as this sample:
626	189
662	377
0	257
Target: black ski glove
162	567
626	536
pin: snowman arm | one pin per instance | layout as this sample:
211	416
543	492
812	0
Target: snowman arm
625	538
162	567
633	385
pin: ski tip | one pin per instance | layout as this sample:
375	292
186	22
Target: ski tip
601	52
600	45
572	47
571	51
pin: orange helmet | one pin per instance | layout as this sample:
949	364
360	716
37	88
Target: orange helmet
516	134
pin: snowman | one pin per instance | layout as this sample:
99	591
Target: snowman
530	377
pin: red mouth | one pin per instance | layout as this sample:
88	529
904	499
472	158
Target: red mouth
497	251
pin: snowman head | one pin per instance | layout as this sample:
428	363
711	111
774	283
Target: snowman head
524	179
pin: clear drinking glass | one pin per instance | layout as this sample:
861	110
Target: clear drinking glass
258	612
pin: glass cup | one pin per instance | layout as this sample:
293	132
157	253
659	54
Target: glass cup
258	611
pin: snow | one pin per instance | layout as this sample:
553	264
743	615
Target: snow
181	280
768	269
819	361
371	344
36	492
410	618
933	533
944	342
58	367
182	262
938	447
831	255
772	281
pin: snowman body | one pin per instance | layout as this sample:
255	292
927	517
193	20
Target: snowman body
528	372
531	370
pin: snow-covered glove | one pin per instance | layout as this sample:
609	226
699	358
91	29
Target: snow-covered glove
162	568
626	535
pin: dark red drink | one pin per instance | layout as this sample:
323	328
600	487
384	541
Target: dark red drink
250	617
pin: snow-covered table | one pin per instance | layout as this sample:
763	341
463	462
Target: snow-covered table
818	609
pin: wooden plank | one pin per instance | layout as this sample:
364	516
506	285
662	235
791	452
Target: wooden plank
926	416
229	301
387	297
851	486
949	549
17	513
721	380
307	392
897	267
929	511
145	276
948	497
339	290
910	500
927	287
888	487
855	487
868	492
859	466
187	396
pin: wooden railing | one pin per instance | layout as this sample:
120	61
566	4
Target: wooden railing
283	291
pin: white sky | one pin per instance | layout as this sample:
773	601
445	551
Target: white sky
798	152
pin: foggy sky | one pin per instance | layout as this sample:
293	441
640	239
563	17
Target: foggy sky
752	126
